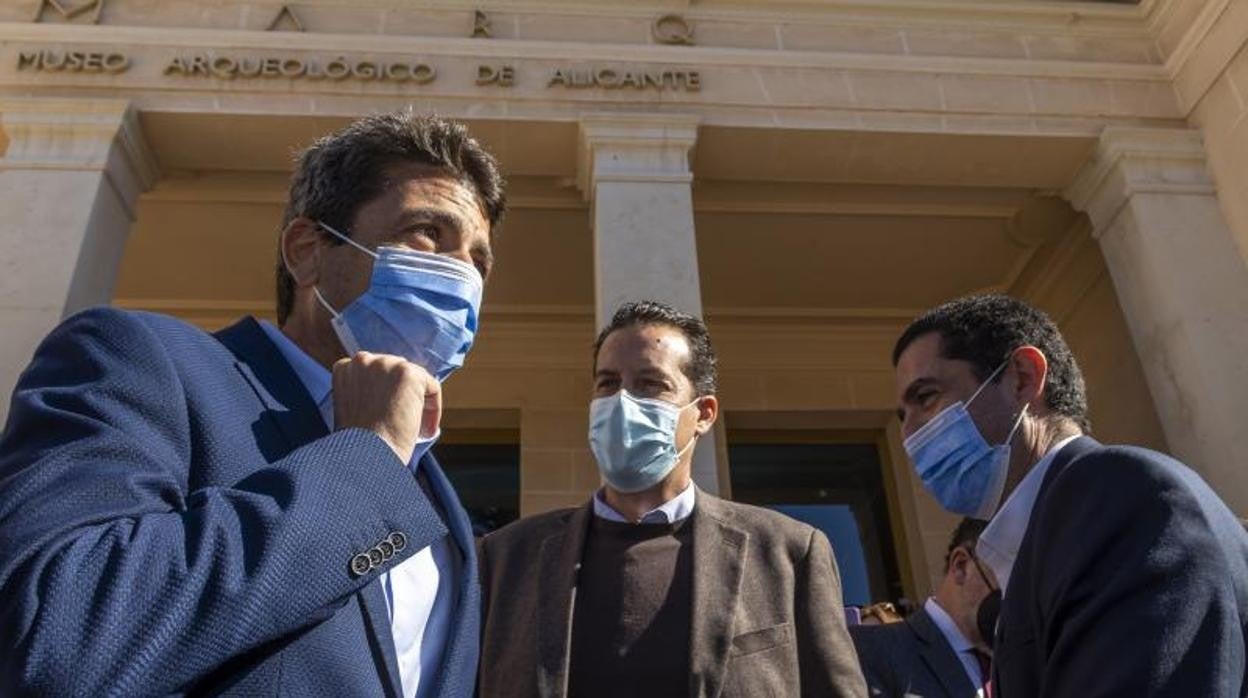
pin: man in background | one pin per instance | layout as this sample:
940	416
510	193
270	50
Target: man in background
654	587
939	651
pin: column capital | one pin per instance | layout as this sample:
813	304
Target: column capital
1129	161
634	148
79	134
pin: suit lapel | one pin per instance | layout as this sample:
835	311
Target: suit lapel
299	420
463	643
275	382
718	569
380	637
559	562
940	656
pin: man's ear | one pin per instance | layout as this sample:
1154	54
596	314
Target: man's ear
1031	371
301	251
959	565
708	412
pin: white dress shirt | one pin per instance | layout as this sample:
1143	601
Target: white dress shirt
677	508
961	646
420	591
998	544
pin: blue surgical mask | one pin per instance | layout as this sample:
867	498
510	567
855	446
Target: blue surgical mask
419	306
634	440
961	470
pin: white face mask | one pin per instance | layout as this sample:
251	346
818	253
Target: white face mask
634	440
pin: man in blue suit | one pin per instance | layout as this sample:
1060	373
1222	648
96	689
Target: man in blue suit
256	512
1123	573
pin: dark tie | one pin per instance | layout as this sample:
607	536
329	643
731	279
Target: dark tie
985	670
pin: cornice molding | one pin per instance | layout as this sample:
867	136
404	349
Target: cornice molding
570	52
1195	34
80	134
1130	161
634	148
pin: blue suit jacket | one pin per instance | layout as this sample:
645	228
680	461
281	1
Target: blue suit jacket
1131	580
175	518
912	659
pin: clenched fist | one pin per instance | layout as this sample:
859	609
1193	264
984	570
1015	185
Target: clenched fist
394	398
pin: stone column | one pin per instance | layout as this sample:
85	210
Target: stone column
1183	287
69	179
634	169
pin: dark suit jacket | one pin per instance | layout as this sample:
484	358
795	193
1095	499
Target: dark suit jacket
1131	580
911	658
767	616
175	518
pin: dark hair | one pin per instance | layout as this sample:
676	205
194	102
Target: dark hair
700	370
341	172
964	536
985	329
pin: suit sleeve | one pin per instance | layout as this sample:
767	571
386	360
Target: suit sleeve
1135	590
120	575
828	662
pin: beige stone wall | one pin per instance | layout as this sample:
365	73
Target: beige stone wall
1205	43
1222	115
1072	284
876	128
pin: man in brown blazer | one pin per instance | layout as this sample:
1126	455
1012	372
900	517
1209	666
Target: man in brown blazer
654	587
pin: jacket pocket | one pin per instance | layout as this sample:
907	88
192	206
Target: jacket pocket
764	639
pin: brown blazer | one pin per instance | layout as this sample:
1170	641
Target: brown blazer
767	616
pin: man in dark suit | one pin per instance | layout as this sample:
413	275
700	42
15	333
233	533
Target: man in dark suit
937	651
255	512
654	587
1123	573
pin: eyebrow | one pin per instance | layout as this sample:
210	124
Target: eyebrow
445	219
653	373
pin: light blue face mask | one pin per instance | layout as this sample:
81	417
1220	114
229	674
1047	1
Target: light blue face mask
634	440
420	306
956	464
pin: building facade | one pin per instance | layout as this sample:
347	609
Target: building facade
806	174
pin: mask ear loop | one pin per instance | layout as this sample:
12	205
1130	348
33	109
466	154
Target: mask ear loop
345	336
692	439
327	228
989	380
1017	423
980	570
315	290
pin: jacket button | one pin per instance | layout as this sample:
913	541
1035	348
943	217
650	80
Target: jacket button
398	540
360	565
375	557
387	549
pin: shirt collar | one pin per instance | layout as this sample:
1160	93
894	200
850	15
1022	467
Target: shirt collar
948	628
998	544
315	377
677	508
319	383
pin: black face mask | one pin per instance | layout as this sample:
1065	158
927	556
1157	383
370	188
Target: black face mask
986	616
989	609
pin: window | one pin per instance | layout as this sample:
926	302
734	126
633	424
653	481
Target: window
484	467
833	481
